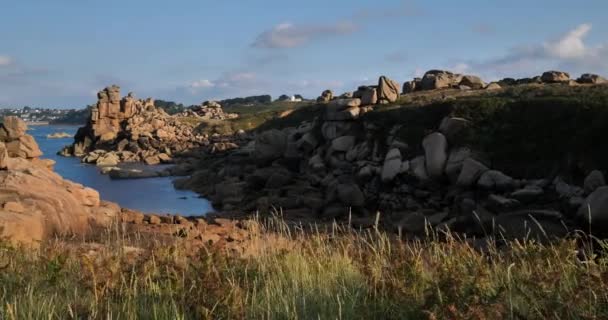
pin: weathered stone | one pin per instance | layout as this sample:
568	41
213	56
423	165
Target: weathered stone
589	78
527	194
500	203
326	96
388	90
23	147
451	127
555	77
495	180
473	82
409	87
392	165
455	161
108	159
435	149
470	173
594	180
270	145
594	211
343	143
350	195
12	128
439	79
493	86
152	160
418	168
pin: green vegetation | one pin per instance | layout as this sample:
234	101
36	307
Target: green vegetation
80	116
261	117
169	107
305	275
252	101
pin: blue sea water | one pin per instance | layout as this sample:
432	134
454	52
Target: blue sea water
155	195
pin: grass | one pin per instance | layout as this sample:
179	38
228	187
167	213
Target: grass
304	274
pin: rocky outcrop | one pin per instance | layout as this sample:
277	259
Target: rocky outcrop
555	77
127	130
589	78
209	110
473	82
388	90
439	79
326	96
36	203
15	140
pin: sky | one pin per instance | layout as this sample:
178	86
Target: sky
60	53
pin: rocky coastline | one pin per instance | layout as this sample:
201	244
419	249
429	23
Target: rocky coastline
345	162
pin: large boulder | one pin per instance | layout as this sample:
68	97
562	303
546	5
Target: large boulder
555	77
409	87
439	79
473	82
368	95
455	161
594	210
12	128
23	147
418	168
270	145
589	78
343	143
495	180
470	173
350	195
452	127
326	96
37	204
493	86
392	165
388	90
594	180
435	150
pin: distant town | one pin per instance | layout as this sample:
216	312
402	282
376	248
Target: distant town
44	115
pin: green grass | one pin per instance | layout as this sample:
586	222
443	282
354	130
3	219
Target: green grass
291	274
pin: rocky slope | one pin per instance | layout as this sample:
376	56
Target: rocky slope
354	159
35	202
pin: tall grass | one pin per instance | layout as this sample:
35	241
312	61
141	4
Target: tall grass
302	273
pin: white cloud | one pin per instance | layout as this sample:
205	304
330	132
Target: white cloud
571	45
202	84
568	52
5	61
288	35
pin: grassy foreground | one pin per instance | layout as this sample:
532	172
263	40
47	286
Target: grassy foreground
304	275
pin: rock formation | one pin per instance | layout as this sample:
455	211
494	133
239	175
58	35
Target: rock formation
209	110
129	129
35	202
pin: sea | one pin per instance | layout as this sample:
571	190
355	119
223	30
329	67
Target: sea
153	195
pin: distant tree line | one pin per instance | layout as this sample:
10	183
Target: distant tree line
253	100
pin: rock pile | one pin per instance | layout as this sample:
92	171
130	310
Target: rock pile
35	202
123	130
209	110
441	79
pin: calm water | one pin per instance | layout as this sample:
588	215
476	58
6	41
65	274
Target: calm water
155	195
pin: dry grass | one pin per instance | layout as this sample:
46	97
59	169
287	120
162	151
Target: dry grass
305	274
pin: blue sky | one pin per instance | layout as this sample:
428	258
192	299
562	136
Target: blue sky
60	52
